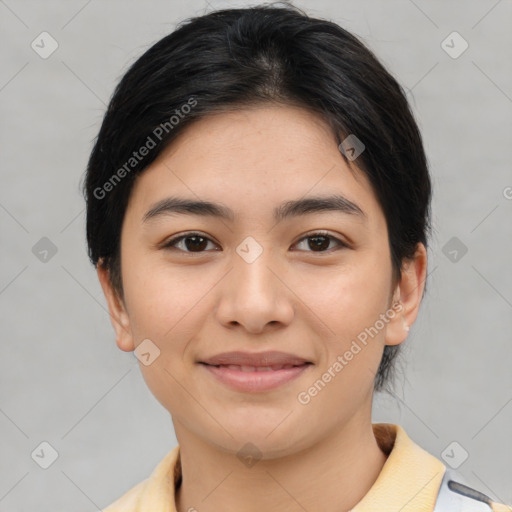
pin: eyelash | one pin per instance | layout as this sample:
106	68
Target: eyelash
173	241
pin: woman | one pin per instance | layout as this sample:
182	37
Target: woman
258	208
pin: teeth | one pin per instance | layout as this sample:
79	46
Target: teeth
244	368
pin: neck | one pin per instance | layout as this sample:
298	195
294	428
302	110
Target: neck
332	475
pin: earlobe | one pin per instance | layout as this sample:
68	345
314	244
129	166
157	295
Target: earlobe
117	310
408	295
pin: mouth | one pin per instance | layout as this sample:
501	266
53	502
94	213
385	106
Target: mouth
246	368
251	379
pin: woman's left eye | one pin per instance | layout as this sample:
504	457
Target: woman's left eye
318	242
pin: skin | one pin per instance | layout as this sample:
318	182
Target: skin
292	298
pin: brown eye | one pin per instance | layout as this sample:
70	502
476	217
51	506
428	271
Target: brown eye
319	242
192	242
197	243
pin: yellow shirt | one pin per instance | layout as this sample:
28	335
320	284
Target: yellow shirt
409	481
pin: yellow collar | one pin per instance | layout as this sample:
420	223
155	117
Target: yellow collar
409	480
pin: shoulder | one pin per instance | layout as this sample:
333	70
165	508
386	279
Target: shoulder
408	466
153	492
128	502
455	495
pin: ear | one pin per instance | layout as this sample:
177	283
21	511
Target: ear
118	314
408	294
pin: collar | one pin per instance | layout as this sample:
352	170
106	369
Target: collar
409	480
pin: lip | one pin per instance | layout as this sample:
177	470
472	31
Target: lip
257	359
255	381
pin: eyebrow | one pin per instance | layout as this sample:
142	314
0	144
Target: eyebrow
288	209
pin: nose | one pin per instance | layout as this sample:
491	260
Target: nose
254	295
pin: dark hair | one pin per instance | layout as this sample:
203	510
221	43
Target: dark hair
245	57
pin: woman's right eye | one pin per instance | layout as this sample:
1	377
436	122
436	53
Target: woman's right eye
192	242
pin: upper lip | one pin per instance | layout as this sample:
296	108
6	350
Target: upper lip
255	359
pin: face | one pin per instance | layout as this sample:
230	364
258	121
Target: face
268	276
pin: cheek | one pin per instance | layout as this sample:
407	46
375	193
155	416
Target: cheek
349	301
159	296
163	308
349	298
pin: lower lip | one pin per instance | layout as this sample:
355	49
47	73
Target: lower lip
253	382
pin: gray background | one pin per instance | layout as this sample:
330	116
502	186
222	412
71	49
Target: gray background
64	381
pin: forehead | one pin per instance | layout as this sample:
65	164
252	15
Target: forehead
262	138
251	159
